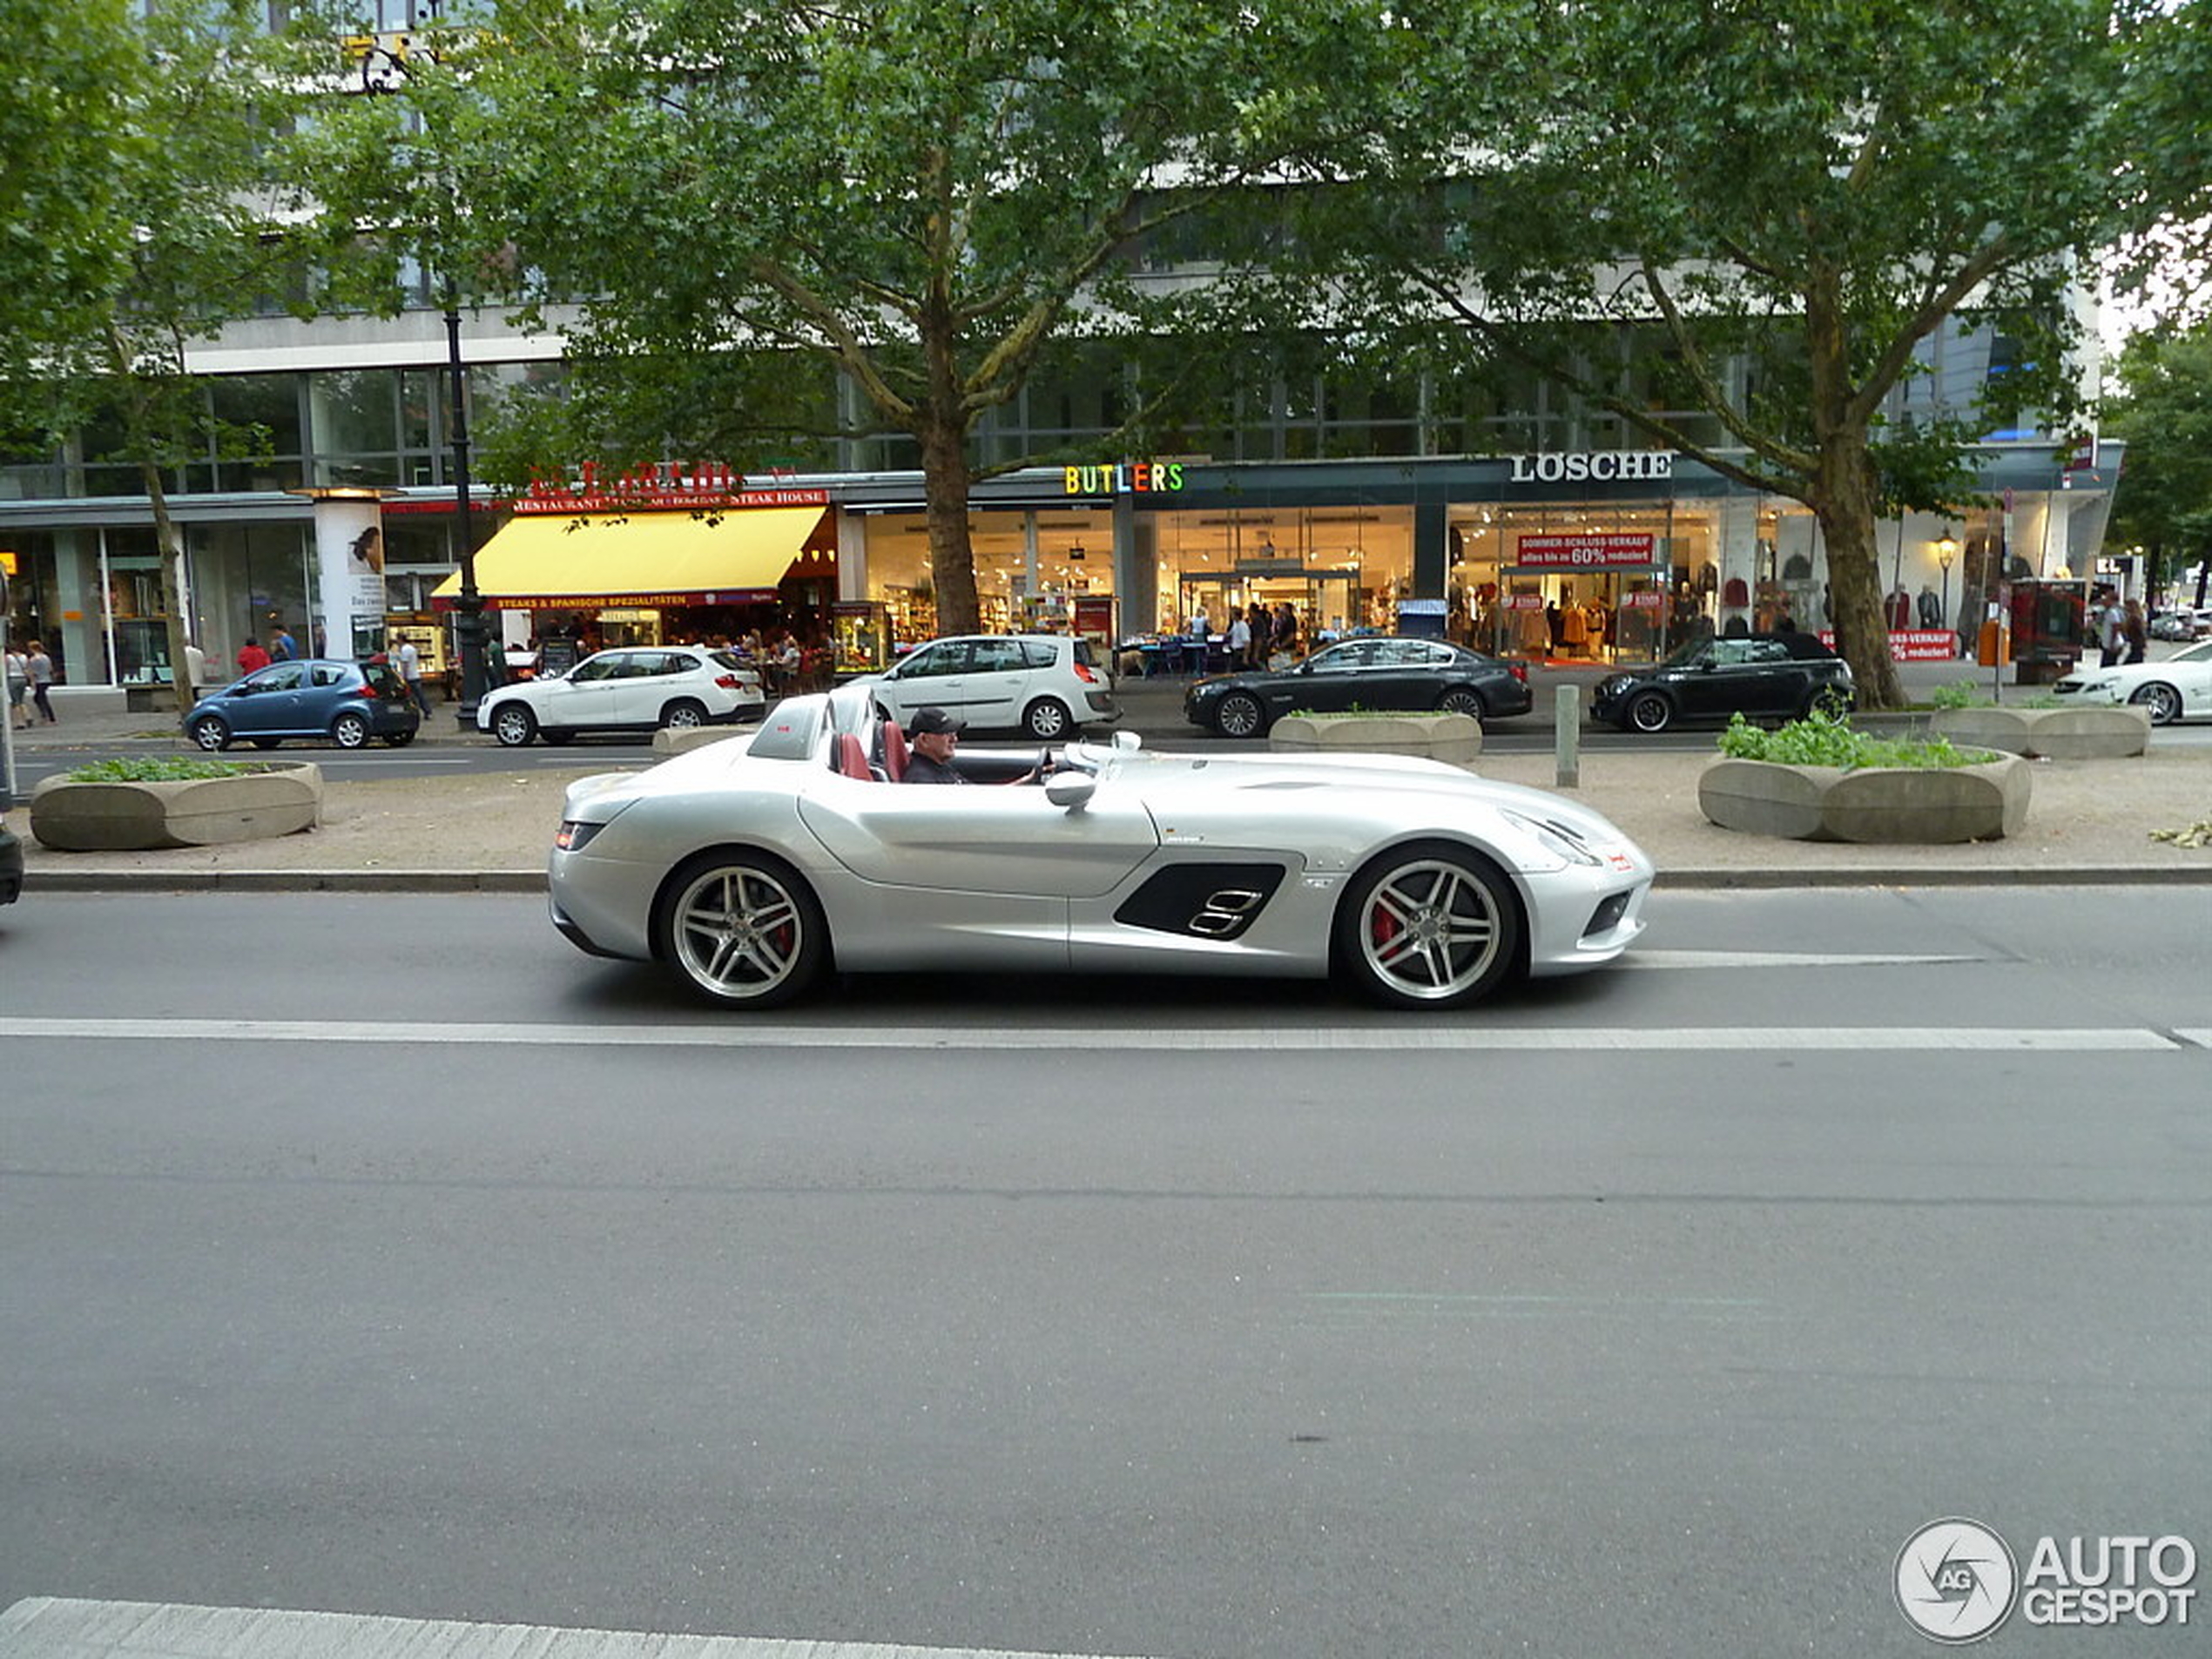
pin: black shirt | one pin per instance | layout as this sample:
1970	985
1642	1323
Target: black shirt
920	769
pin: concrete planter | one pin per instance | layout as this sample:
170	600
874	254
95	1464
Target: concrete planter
1455	739
274	799
1885	805
2057	734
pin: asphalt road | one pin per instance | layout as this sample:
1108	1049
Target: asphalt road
385	1255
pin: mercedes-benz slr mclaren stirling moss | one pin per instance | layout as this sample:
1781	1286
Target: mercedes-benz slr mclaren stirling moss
753	866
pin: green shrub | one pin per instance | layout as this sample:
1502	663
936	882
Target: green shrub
1824	740
1960	694
156	770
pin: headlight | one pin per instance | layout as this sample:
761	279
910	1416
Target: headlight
1612	685
1556	839
575	834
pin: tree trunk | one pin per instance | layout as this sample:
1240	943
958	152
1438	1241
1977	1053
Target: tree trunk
170	544
952	558
1843	497
1844	504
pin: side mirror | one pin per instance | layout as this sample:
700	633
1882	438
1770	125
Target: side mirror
1070	789
1130	741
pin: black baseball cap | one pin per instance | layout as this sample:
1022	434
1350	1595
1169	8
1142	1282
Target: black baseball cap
933	719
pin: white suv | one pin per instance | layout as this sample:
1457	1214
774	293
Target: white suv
1045	685
636	688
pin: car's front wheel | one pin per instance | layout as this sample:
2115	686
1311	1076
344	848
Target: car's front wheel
1429	925
513	724
1047	718
350	730
2161	699
1463	700
742	930
1240	715
210	734
683	714
1651	712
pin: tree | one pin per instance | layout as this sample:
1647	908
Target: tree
153	230
1812	189
2164	499
925	194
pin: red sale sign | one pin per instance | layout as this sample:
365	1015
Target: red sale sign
1596	551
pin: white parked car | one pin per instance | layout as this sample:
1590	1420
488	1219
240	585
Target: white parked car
751	869
2178	689
1044	684
2181	623
633	688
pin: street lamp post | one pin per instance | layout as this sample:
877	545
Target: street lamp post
1947	550
469	604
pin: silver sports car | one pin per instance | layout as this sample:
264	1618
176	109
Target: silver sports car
753	866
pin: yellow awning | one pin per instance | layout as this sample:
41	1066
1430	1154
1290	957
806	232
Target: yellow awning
560	562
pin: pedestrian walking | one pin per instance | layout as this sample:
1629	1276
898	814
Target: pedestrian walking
18	687
2135	632
2112	635
40	667
251	659
410	663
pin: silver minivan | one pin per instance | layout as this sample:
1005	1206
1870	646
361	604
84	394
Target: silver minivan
1044	684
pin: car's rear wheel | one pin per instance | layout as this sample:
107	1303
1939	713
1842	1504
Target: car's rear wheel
1651	712
350	730
513	724
1240	715
1831	700
399	739
210	734
1047	718
742	929
1429	925
683	714
1463	700
2161	699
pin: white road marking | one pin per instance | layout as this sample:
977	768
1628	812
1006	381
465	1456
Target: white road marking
741	1033
53	1628
1641	958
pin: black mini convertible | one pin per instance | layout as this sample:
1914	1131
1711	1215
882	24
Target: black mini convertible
1777	676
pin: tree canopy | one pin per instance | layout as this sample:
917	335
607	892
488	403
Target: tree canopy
2164	501
926	194
1777	205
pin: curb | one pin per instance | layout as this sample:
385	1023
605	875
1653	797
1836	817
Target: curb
431	881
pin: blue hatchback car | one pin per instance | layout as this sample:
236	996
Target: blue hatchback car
342	703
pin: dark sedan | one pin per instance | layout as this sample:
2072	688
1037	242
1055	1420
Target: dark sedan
342	703
1779	677
1378	671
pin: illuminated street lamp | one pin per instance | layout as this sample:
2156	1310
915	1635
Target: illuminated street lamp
1947	550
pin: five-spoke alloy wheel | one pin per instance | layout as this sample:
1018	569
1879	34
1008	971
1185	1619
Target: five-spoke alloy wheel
1651	712
350	730
1429	925
513	724
210	733
2161	699
741	929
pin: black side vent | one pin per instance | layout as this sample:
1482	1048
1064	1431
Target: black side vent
1202	900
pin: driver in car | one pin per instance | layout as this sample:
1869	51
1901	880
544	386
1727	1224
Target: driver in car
931	741
932	738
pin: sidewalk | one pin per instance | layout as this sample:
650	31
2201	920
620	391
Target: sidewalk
2091	821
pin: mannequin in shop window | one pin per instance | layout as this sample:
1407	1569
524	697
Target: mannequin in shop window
1931	607
1574	630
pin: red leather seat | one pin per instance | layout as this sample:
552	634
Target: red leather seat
852	758
894	752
